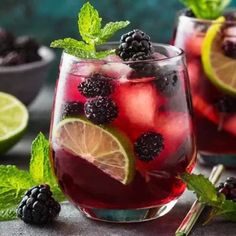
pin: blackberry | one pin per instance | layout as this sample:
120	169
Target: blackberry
134	46
72	109
28	47
97	85
6	42
148	146
101	110
229	48
167	84
228	188
26	44
12	59
38	206
225	105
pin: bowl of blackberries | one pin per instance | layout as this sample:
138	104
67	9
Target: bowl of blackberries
24	65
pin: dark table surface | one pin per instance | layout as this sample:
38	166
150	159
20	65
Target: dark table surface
72	222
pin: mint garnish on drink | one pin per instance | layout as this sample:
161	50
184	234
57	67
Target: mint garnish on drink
92	33
208	195
206	9
14	182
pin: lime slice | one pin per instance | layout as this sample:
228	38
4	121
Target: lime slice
13	121
107	149
219	68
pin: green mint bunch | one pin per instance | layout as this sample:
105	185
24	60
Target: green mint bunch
14	182
207	9
208	195
92	33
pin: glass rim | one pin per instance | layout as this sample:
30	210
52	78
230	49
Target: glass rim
207	21
179	54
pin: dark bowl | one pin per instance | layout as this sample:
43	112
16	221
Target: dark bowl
25	81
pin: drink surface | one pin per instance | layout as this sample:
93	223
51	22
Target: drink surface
144	106
215	110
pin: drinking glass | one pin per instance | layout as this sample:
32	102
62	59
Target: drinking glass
214	107
121	133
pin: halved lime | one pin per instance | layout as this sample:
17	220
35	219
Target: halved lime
107	149
13	121
220	69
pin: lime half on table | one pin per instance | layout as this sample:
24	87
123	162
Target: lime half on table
107	149
13	121
220	69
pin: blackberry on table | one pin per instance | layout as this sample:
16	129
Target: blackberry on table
228	188
148	146
134	46
167	84
72	109
38	206
96	85
102	110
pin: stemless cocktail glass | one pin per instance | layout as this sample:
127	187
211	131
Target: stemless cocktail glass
117	155
214	106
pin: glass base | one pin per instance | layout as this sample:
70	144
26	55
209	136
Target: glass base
128	216
214	159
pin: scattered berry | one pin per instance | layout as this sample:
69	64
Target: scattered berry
229	48
12	58
148	146
101	110
225	105
134	46
6	42
167	84
228	188
72	109
96	85
38	206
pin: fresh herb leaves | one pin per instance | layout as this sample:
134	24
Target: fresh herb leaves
92	33
206	9
208	195
14	182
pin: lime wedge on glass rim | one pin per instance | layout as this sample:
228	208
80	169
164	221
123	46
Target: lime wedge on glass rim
107	149
220	69
13	121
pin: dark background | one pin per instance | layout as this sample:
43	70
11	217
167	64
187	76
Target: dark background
52	19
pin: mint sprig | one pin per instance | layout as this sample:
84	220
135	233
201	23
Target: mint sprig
208	195
92	33
207	9
15	182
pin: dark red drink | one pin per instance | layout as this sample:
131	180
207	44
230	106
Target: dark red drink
121	135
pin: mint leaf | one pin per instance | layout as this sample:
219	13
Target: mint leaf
89	23
228	210
13	184
206	9
40	168
8	214
110	28
204	189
